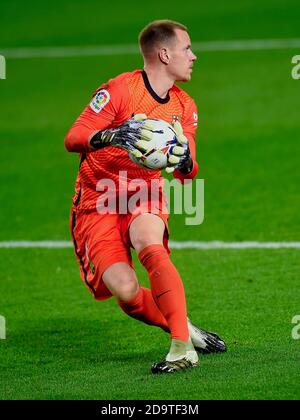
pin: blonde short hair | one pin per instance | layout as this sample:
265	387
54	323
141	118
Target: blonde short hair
157	32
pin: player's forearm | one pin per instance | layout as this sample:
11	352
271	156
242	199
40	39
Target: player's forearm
78	139
133	135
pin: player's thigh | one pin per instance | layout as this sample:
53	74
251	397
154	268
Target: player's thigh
98	246
145	230
121	281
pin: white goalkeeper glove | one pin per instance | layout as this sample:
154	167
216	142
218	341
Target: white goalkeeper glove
180	155
133	135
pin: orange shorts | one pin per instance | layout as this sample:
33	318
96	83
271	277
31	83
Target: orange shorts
101	240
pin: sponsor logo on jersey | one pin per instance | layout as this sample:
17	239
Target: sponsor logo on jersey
100	100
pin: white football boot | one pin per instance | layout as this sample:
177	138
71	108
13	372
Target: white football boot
205	342
181	356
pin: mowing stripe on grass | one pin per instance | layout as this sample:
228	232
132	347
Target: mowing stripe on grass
96	50
172	244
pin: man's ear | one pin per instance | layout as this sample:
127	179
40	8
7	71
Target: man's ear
163	56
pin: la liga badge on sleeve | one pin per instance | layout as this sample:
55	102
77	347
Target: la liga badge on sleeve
100	100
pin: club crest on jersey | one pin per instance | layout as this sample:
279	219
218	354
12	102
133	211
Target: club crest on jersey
100	100
175	118
92	267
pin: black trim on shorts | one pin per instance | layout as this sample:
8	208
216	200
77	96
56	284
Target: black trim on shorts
79	256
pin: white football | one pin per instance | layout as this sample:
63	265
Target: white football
163	139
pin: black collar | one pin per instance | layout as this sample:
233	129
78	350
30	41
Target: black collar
151	91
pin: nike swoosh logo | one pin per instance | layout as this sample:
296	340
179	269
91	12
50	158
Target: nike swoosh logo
163	293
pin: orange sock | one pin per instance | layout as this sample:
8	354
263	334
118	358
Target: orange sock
143	308
167	289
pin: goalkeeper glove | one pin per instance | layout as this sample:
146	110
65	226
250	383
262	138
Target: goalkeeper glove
133	135
180	155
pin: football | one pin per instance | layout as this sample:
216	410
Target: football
164	138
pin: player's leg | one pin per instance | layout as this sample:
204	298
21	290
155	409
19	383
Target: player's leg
138	302
121	281
106	266
146	234
135	301
98	245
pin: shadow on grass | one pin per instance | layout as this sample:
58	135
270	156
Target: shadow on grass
80	341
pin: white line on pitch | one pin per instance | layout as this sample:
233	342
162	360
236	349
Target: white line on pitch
172	244
36	244
125	49
232	245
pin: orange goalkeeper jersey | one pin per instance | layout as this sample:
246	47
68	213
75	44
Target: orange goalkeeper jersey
112	104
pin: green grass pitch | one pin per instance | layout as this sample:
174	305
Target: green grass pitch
61	344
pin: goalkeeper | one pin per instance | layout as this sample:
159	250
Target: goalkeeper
112	125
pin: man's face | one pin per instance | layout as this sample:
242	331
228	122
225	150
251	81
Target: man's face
181	57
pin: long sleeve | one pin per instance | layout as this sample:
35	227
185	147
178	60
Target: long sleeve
189	125
98	115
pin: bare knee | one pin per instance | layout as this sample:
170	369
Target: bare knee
144	240
121	281
145	230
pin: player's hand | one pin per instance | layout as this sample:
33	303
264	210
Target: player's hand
133	135
180	155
